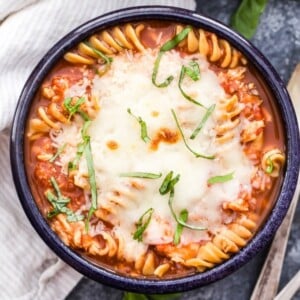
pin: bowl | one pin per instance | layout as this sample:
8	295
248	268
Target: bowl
149	285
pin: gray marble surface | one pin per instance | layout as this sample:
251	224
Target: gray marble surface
278	37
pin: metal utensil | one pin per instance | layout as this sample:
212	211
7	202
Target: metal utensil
268	281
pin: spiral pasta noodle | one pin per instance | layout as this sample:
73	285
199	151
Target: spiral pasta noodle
228	241
272	162
118	39
227	112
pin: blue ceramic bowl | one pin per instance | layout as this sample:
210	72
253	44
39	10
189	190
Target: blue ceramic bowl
282	101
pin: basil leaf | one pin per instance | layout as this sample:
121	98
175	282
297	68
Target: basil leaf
194	73
92	180
58	152
183	216
164	188
134	296
73	108
73	164
185	142
246	18
203	121
167	81
167	47
220	179
270	166
59	204
178	220
141	175
142	225
144	134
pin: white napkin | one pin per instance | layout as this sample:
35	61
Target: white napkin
28	28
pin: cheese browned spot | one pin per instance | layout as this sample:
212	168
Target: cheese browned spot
164	135
112	145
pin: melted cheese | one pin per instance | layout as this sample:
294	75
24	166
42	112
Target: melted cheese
128	85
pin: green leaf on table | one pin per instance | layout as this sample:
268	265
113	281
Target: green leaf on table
246	18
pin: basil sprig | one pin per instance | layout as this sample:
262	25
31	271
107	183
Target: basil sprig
167	47
141	175
180	220
142	224
58	152
144	134
73	108
59	203
203	121
168	186
246	18
220	178
192	71
168	183
183	216
185	142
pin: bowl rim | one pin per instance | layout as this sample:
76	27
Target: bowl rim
108	277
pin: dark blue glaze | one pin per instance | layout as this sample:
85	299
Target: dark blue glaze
282	101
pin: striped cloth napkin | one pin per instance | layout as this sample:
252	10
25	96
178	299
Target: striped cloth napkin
28	28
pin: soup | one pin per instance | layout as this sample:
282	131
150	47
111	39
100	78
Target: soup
154	149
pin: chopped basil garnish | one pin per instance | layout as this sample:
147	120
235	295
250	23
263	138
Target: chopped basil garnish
144	134
108	60
168	183
58	153
179	220
184	140
220	179
142	224
141	175
92	179
203	121
193	72
59	203
270	166
183	216
167	47
73	108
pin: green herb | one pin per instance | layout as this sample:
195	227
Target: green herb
135	296
73	108
87	150
270	165
193	72
185	142
177	219
203	121
245	20
72	165
108	60
80	147
220	179
167	47
144	134
142	225
183	216
59	203
168	183
141	175
58	153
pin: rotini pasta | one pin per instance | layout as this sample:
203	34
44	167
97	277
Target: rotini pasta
153	149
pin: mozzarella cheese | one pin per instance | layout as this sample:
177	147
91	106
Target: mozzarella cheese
127	85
